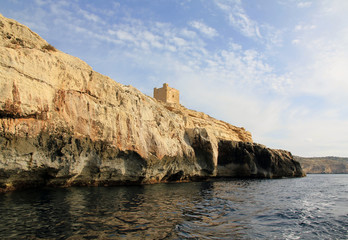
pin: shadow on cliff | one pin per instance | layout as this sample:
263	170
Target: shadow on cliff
241	159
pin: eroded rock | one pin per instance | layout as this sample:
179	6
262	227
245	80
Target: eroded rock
243	159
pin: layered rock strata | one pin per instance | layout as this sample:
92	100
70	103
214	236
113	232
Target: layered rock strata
62	124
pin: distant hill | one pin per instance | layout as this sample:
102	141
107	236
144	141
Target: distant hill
323	164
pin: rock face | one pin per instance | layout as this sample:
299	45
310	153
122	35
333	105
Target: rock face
245	159
62	124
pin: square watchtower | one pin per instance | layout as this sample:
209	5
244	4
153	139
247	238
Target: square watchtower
166	94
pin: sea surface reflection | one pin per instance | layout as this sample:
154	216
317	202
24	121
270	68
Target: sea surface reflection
312	207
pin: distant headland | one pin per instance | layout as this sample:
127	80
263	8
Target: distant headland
331	165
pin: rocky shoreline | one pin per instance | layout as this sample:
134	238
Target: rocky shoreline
63	124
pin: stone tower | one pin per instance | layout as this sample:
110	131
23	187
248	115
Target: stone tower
166	94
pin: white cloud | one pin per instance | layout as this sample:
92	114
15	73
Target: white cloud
179	42
125	36
301	27
238	17
89	16
153	40
240	20
188	34
304	4
40	2
116	4
296	41
206	30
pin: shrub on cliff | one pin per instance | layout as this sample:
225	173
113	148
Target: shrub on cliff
49	47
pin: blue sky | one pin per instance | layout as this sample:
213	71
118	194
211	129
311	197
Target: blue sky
278	68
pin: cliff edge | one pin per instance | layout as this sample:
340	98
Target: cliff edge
62	124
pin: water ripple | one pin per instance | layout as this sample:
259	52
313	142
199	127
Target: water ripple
315	207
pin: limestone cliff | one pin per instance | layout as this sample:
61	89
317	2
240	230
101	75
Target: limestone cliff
61	123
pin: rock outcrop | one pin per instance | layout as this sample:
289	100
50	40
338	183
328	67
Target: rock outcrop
245	159
62	124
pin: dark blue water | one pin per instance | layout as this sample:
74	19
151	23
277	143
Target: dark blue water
315	207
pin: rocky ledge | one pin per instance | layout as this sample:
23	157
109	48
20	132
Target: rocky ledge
63	124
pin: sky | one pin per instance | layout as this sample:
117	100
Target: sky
278	68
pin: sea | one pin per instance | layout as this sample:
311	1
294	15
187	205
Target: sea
313	207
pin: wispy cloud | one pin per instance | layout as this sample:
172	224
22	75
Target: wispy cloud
304	4
305	27
89	16
296	41
238	17
206	30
